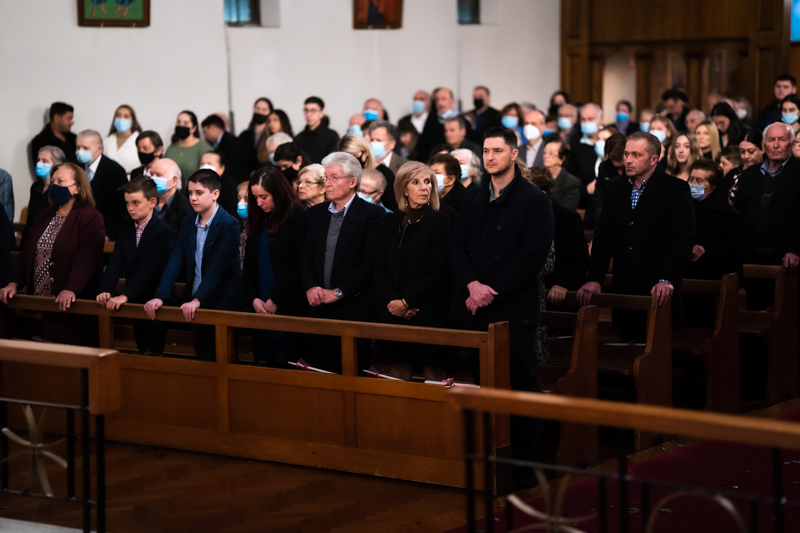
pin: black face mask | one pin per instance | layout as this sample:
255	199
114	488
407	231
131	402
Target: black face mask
478	103
182	132
258	118
290	174
363	162
146	159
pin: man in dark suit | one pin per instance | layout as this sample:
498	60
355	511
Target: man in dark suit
647	227
342	240
455	135
383	136
433	132
622	120
56	133
171	208
768	199
228	195
484	116
207	251
498	246
106	177
140	255
411	125
231	148
532	152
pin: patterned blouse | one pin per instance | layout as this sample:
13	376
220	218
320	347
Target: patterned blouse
42	282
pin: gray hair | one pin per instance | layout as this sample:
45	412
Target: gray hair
474	163
92	133
596	107
377	175
787	126
277	139
391	129
349	164
316	171
697	112
653	144
56	153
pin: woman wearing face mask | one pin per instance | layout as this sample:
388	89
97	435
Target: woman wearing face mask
276	227
731	129
664	131
412	273
708	139
62	257
256	130
357	146
512	116
470	167
447	170
149	148
120	145
187	148
790	111
290	160
645	116
311	185
47	159
682	154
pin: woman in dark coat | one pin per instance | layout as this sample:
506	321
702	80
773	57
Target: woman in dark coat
412	274
256	131
276	227
62	257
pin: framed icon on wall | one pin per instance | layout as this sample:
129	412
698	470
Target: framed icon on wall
377	14
114	13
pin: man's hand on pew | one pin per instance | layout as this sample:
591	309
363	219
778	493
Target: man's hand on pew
697	252
663	291
189	308
586	292
791	261
8	292
556	294
152	306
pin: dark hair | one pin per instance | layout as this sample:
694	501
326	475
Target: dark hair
462	124
60	108
563	148
516	107
754	136
731	153
222	159
675	94
154	137
438	148
708	165
286	125
391	129
283	194
543	178
482	88
290	152
315	100
615	147
787	77
213	120
207	178
653	144
626	104
736	129
134	122
451	164
266	100
508	135
193	119
142	184
793	98
563	94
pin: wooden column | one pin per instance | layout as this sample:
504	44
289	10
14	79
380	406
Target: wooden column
769	48
575	71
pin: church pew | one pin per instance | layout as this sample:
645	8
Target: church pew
778	326
578	443
343	422
650	365
718	347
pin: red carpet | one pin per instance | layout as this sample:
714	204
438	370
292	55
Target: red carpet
715	464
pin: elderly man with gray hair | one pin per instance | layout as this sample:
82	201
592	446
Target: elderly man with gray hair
341	243
106	177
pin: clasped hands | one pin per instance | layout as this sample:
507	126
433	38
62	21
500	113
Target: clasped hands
480	295
317	296
400	309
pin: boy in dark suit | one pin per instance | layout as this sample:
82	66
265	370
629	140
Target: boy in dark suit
207	251
140	255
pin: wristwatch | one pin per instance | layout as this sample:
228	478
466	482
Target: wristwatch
338	293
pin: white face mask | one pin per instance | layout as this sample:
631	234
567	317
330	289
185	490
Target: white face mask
531	132
741	113
208	167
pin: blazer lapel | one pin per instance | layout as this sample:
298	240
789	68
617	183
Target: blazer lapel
65	232
649	191
213	235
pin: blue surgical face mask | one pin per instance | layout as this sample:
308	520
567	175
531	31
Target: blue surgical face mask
272	158
418	107
789	118
600	148
122	124
161	185
450	113
370	114
364	196
644	126
661	135
622	116
698	191
84	156
464	172
588	128
547	132
43	170
378	149
510	122
440	181
356	129
565	123
58	194
241	209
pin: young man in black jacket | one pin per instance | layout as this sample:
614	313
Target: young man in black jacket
317	140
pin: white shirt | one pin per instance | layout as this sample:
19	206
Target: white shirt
532	152
386	162
419	122
127	155
93	168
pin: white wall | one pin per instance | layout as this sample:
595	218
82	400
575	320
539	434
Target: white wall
179	62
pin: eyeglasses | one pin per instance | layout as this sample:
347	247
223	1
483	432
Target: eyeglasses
334	178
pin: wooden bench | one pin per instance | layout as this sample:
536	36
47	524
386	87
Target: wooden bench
650	365
778	326
578	443
718	347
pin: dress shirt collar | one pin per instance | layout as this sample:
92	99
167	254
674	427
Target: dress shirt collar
765	167
93	166
197	220
332	206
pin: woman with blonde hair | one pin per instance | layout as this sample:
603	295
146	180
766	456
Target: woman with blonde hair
707	136
412	274
682	154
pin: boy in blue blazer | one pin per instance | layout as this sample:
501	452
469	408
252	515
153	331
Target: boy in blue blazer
207	251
